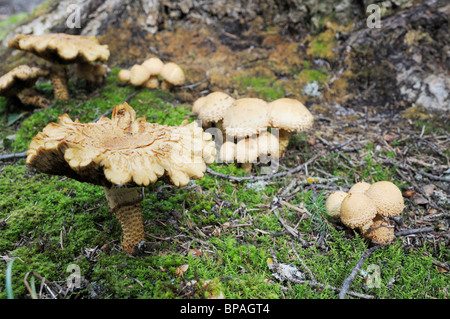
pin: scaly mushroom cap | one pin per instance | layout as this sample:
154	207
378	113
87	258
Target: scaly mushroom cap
380	231
333	203
198	104
246	117
359	187
268	144
387	197
121	150
153	65
290	115
172	73
228	152
247	150
62	48
214	107
19	78
358	211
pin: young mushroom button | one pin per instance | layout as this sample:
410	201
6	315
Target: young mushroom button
122	154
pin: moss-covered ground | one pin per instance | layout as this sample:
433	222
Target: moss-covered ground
210	238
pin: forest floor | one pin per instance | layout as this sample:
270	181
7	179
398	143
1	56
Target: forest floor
219	237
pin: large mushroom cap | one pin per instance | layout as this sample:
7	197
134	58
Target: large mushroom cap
333	203
359	187
290	115
198	104
172	73
153	65
246	117
357	211
19	78
214	107
123	150
387	198
62	48
138	75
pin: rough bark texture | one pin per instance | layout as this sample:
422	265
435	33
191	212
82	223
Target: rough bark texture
402	64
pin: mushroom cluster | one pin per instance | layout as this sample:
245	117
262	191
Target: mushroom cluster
147	74
122	154
19	82
367	208
252	129
62	49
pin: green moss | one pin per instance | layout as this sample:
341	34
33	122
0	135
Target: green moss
266	88
9	23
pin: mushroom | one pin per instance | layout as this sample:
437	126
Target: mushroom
198	104
124	75
139	75
288	115
358	211
172	75
247	152
359	187
213	109
154	66
19	82
387	198
122	154
380	231
333	203
227	153
93	73
61	49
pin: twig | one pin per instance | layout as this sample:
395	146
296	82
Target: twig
193	85
311	275
264	177
13	156
349	279
414	231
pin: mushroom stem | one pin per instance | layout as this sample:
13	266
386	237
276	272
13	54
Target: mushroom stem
125	204
284	137
247	167
165	85
58	77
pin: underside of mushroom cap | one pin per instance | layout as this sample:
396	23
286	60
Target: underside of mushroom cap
387	197
246	117
123	150
62	48
22	76
290	115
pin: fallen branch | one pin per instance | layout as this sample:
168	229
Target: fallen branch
349	279
13	156
414	231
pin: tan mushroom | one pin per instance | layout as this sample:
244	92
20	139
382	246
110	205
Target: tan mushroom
122	154
387	198
61	49
154	65
333	203
227	153
359	187
172	75
247	152
124	75
139	75
357	211
289	116
198	104
380	231
213	109
93	73
19	82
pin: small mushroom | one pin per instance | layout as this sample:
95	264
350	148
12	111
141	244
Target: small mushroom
139	75
387	198
124	75
172	75
213	109
61	50
122	154
93	73
227	152
380	231
268	145
358	211
359	187
289	116
154	65
333	203
247	152
19	82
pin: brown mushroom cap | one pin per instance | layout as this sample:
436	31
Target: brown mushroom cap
172	73
387	198
380	231
246	117
19	78
62	48
290	115
123	150
214	107
333	203
359	187
357	211
153	65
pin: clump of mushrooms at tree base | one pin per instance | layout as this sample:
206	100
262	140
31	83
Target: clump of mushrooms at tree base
367	209
251	129
121	154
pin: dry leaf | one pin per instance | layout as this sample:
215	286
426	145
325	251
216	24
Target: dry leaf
181	270
195	252
408	193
